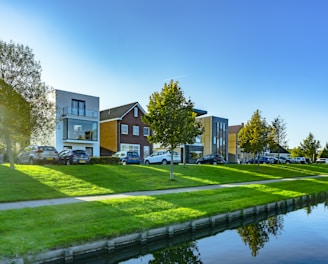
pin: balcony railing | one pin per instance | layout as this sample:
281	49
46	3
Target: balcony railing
68	111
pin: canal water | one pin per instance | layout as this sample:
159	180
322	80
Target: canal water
300	236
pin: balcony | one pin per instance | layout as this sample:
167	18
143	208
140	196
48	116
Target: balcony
75	112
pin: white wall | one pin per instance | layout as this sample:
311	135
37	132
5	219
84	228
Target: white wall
64	100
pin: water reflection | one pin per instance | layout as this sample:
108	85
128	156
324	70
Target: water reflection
184	253
298	238
256	235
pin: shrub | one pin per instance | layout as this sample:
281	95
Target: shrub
104	160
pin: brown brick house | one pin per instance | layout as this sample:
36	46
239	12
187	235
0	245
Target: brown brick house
121	129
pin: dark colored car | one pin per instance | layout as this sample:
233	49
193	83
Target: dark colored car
128	157
77	156
261	160
211	159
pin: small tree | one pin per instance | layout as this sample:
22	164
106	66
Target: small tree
171	119
21	83
253	137
324	152
278	134
310	147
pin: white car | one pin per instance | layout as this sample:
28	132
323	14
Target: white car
322	160
163	157
300	160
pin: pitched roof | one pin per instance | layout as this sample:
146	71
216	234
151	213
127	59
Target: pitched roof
118	112
234	129
277	148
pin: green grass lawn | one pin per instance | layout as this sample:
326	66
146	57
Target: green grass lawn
43	182
33	230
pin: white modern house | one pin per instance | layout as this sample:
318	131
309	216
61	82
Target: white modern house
77	122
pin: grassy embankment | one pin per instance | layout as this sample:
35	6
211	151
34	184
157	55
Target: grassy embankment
39	229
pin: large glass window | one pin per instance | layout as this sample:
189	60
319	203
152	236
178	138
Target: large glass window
80	129
78	107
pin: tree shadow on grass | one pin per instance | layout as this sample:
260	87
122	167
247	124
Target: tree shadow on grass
19	186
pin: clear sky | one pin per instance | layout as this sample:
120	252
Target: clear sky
230	57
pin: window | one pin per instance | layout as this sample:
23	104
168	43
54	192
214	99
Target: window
78	107
80	129
136	130
130	147
146	131
146	151
136	110
89	150
124	129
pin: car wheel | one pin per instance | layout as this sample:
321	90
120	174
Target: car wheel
164	162
199	163
31	161
124	162
68	162
147	162
215	163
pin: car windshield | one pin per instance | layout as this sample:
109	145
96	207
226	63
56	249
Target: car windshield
46	148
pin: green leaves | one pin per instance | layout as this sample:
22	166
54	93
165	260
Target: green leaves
171	118
253	137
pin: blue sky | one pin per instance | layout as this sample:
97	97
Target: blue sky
230	57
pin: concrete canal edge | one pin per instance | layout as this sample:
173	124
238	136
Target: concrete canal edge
217	223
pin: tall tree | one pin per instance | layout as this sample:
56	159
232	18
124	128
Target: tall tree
310	147
14	119
253	137
171	119
21	73
278	133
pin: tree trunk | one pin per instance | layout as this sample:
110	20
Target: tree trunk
171	166
9	151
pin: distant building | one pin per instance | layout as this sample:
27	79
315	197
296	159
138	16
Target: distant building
77	122
121	129
215	137
235	152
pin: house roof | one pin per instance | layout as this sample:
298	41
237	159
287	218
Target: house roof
118	112
199	112
234	129
277	148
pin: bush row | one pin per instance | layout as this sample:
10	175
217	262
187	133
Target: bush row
104	160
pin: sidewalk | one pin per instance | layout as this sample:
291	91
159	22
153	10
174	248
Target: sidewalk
71	200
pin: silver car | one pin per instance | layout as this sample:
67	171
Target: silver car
38	155
163	157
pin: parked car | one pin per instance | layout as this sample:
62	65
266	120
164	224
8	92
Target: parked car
163	157
272	160
286	160
261	160
300	160
76	156
322	160
308	160
128	157
211	159
34	154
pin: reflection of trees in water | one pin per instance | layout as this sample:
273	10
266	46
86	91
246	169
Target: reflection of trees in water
309	209
184	253
256	235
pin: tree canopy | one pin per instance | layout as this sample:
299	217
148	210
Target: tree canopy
171	119
310	147
253	137
29	111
